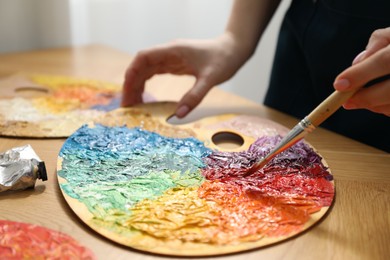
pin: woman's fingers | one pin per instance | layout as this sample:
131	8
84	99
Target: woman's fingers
373	67
371	64
379	39
133	87
210	61
192	98
135	78
375	98
146	64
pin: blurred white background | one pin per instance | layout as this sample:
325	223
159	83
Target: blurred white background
131	25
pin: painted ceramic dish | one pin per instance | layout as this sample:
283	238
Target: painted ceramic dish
173	190
53	106
27	241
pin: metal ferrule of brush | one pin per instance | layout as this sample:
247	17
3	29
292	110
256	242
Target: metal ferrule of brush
297	133
307	125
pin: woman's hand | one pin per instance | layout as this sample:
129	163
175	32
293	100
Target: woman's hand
210	61
371	64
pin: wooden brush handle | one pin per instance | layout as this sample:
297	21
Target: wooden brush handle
329	106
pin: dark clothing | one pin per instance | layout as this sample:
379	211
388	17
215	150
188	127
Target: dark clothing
317	41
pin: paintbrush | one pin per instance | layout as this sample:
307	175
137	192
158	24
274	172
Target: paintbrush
305	126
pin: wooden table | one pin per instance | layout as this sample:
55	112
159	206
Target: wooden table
357	227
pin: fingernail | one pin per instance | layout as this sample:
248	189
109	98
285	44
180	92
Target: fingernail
341	84
359	57
182	111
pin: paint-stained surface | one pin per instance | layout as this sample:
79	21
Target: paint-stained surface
54	106
177	196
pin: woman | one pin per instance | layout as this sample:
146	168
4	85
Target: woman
317	41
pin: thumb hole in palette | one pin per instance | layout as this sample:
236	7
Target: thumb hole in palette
227	140
31	91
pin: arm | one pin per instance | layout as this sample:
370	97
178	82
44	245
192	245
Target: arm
371	64
211	61
247	22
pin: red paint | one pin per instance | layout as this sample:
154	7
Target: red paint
275	201
26	241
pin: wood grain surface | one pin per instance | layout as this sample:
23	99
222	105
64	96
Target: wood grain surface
357	228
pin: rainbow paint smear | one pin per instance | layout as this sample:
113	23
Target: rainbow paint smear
69	94
27	241
65	94
139	182
57	107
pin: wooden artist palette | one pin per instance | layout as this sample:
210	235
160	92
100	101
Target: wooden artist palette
180	189
52	106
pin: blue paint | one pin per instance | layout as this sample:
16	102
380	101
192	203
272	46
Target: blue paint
106	167
114	104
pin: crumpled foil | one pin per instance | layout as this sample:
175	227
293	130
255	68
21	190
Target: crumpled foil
20	167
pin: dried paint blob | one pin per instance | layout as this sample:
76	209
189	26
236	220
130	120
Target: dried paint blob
175	195
58	107
27	241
